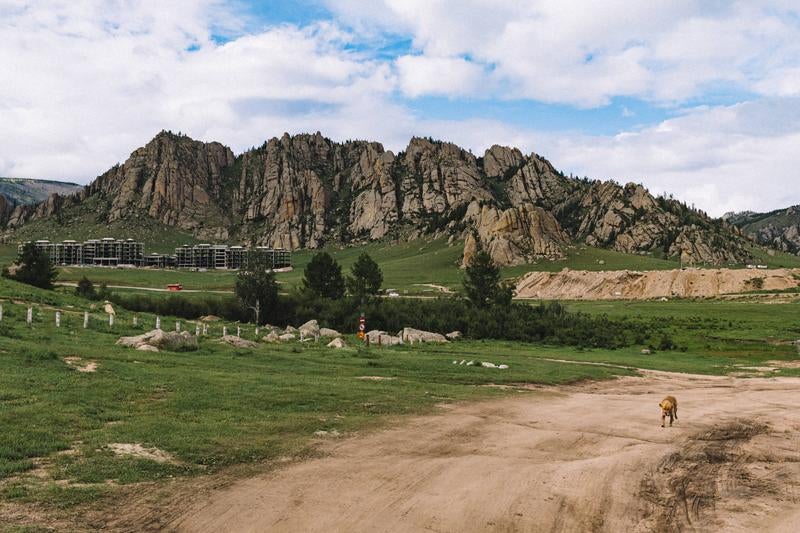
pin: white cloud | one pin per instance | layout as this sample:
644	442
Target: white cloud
448	76
728	158
85	83
585	53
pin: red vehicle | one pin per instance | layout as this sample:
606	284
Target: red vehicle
174	287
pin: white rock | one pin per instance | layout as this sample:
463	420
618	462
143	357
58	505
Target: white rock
238	342
338	342
271	337
412	335
502	367
471	363
287	337
329	333
310	329
146	348
488	365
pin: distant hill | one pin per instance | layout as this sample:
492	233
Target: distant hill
307	191
778	229
28	191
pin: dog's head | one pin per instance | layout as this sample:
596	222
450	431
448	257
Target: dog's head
666	406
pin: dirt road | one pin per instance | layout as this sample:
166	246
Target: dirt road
583	458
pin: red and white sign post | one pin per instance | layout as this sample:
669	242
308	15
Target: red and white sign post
362	327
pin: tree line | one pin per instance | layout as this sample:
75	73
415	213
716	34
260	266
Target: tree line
337	300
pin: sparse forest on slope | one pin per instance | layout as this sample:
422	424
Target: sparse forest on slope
306	191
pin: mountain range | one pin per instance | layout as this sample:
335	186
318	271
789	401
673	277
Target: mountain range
778	229
306	191
30	191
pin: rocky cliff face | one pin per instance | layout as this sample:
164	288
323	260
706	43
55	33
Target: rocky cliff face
778	229
308	191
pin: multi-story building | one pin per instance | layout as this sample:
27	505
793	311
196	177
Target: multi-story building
118	252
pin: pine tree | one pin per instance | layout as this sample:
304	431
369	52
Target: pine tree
366	277
323	277
34	268
482	279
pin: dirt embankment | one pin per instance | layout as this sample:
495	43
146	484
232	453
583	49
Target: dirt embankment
583	458
628	284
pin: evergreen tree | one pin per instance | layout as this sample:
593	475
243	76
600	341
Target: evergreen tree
257	291
323	277
366	277
85	288
482	282
33	268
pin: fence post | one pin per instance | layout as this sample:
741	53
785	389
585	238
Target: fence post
58	319
256	331
110	320
85	319
224	331
238	331
158	323
1	312
177	326
29	317
197	330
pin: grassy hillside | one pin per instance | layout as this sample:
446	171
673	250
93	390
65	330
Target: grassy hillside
420	267
30	191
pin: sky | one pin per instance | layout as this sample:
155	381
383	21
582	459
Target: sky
700	99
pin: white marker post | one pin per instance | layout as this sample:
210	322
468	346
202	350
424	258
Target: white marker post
256	332
29	317
1	312
58	319
224	331
85	319
197	330
177	326
110	320
238	331
158	323
135	320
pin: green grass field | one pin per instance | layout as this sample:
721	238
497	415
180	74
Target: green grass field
421	267
221	406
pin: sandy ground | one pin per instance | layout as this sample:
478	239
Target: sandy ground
591	457
628	284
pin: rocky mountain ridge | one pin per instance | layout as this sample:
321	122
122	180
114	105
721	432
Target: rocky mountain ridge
306	191
778	229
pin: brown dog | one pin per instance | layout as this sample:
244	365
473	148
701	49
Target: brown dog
669	408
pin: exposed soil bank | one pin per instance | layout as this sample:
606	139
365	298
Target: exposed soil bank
584	458
627	284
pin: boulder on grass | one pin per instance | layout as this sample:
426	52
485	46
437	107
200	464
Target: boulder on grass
271	337
238	342
411	335
388	340
286	337
146	348
329	333
453	335
338	342
166	340
309	329
290	329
